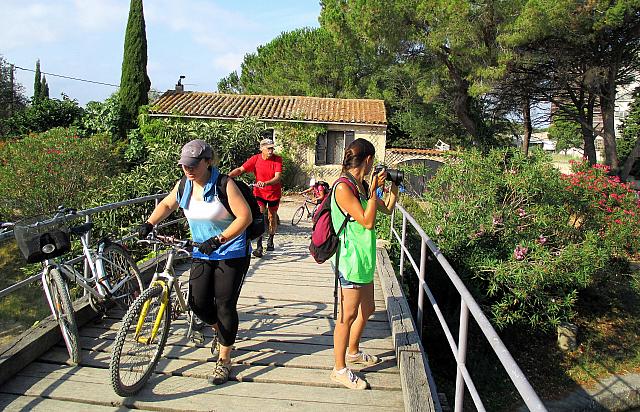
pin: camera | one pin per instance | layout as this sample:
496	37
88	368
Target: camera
393	175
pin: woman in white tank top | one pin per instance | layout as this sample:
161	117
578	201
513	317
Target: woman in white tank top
221	261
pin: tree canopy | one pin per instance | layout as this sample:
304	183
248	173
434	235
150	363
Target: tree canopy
134	81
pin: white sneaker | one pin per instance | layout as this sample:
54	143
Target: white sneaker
348	379
362	358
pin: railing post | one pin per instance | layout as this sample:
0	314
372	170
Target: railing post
462	354
87	237
423	269
402	244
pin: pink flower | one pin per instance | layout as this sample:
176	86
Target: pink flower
522	212
519	252
497	220
542	240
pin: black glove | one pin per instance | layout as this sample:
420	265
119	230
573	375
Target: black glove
210	245
144	230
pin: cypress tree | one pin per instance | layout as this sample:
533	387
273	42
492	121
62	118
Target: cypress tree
134	81
44	89
37	84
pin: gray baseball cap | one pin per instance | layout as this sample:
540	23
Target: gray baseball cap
266	143
193	151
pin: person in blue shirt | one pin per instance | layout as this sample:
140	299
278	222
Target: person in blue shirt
221	261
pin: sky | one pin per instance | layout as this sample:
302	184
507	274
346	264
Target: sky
204	40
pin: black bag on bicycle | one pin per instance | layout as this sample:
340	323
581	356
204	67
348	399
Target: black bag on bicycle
256	227
40	242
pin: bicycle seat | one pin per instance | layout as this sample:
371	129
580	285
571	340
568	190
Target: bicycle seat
81	229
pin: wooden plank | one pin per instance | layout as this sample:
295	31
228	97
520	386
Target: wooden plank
241	371
170	392
321	359
99	339
296	293
417	385
249	329
38	404
291	337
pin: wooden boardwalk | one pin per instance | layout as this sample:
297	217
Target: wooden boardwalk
282	357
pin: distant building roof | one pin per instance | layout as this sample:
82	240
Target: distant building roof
274	108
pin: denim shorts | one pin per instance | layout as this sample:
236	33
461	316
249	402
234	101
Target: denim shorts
346	284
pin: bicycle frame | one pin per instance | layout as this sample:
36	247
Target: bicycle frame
102	287
168	281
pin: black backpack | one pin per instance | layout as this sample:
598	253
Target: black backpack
256	228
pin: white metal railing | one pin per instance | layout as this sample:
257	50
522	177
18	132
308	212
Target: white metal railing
467	305
88	215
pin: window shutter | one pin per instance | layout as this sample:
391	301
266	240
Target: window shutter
321	149
349	137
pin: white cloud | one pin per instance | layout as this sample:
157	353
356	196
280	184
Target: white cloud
206	23
96	15
26	25
228	62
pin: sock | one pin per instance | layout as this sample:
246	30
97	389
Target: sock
355	355
342	371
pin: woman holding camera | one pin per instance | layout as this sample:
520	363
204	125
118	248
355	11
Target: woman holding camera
357	260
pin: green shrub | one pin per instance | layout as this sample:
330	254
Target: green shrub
524	242
44	115
42	171
102	117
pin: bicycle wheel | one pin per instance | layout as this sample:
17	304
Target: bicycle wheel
297	216
133	361
117	266
63	309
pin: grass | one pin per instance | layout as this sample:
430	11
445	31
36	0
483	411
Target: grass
20	309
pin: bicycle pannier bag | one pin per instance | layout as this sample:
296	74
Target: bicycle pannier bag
41	243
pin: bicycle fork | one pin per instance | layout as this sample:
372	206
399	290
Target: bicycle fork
158	320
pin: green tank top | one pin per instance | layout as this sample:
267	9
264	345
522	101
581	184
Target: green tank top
357	246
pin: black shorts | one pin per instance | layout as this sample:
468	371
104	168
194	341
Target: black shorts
270	204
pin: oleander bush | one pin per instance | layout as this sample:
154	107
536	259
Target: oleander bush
41	171
526	239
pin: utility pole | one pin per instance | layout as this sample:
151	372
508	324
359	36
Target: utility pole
12	99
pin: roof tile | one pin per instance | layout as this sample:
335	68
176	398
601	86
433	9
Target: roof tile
233	106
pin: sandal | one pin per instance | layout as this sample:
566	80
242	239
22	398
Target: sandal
220	373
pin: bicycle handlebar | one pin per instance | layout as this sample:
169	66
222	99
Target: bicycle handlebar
182	245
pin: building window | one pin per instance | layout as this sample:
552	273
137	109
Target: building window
330	146
267	134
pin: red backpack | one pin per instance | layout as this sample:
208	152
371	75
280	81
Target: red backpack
324	239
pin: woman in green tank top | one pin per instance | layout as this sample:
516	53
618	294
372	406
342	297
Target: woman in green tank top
357	260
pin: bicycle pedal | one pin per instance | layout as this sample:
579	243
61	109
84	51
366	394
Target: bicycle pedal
197	337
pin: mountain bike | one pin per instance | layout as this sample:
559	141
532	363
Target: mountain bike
300	212
115	277
143	333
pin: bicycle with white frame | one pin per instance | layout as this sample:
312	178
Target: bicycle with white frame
114	276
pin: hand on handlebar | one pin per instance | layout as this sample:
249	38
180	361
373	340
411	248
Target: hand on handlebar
144	230
210	245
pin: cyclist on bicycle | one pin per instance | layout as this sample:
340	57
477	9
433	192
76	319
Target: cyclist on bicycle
268	190
319	188
221	261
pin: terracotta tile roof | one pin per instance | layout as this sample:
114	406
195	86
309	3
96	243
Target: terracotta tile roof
277	108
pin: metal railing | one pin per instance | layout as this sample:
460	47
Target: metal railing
467	305
87	214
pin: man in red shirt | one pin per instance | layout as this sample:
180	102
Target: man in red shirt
267	167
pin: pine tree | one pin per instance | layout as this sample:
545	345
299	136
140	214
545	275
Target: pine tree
44	90
37	84
134	81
